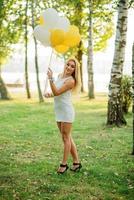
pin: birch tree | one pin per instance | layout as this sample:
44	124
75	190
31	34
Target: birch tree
33	5
90	54
115	112
26	50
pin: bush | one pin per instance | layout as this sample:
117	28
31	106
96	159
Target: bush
126	92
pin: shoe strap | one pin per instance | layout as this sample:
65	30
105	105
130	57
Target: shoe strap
61	165
76	163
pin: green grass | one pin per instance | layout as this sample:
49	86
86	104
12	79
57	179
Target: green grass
31	150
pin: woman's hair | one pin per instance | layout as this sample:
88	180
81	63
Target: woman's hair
76	74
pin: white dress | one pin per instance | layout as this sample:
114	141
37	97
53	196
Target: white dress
64	110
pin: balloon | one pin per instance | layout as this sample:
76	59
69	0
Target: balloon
72	39
57	37
61	48
56	31
41	20
42	35
50	17
63	23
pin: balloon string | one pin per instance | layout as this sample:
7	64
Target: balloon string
50	58
46	82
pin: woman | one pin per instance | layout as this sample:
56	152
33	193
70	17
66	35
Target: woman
62	89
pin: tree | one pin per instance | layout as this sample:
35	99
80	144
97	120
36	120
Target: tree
90	54
79	6
10	23
33	5
126	85
26	49
115	112
4	95
133	94
3	90
99	31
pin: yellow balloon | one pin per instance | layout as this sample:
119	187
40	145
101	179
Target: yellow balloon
72	39
41	20
61	48
57	37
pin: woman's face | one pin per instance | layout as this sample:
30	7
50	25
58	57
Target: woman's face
70	67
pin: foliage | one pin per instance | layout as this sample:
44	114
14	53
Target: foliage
77	11
126	92
11	18
30	152
102	21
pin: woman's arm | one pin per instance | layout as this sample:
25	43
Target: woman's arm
69	84
48	95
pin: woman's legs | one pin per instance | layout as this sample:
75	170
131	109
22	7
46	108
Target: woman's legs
74	151
69	145
65	132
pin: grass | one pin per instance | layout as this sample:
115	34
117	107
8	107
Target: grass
31	150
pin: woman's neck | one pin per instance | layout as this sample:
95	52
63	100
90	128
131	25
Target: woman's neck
65	75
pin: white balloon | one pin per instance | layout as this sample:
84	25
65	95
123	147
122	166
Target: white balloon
63	23
51	18
42	35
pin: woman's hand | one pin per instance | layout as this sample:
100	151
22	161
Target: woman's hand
49	73
48	95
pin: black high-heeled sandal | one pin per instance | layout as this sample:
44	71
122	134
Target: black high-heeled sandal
66	168
77	168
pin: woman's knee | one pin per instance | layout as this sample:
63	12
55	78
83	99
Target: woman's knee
65	137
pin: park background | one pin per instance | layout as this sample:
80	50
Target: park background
30	145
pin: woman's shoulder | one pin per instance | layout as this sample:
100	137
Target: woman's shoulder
70	80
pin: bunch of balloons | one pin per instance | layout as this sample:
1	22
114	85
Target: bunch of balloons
56	31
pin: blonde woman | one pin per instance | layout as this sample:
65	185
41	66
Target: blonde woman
67	82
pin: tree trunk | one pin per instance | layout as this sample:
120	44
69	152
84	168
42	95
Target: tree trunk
78	22
26	47
90	55
115	112
4	95
37	73
79	58
133	94
36	58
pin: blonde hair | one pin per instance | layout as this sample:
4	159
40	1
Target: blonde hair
76	75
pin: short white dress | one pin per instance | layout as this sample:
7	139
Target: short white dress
63	106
